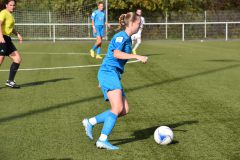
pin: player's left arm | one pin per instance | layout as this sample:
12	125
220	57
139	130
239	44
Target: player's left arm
122	55
142	23
20	38
108	25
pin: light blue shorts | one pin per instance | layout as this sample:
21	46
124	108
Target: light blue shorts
100	31
109	79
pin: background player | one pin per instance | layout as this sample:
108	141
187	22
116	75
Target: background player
138	35
98	21
7	48
109	76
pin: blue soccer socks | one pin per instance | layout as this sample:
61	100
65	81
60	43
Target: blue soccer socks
98	50
109	123
101	117
94	48
109	119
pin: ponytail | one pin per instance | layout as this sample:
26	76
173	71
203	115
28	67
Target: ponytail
125	19
121	21
2	5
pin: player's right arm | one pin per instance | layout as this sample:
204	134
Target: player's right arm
93	26
93	22
1	34
2	17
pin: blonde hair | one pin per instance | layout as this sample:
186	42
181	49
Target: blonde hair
125	19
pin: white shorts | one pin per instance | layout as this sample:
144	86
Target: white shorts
136	36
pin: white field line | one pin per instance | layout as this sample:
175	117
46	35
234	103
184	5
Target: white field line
44	53
55	68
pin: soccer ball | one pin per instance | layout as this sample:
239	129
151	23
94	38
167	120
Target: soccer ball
163	135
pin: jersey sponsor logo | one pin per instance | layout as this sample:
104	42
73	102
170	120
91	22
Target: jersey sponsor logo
119	39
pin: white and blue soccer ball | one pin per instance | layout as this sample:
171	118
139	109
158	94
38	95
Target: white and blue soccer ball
163	135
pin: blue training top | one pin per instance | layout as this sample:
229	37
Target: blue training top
122	42
98	17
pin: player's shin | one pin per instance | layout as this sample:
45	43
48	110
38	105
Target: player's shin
99	118
109	124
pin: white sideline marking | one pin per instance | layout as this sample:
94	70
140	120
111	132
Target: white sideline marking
54	68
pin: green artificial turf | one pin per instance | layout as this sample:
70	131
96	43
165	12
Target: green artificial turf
192	87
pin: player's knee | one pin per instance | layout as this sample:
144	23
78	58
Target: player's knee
117	111
100	41
17	60
126	111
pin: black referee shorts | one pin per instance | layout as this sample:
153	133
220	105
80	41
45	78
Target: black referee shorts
8	47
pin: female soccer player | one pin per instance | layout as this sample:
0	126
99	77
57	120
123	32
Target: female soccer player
138	36
7	48
109	76
98	20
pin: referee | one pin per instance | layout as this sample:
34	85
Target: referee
7	48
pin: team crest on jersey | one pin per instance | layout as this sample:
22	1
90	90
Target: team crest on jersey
119	39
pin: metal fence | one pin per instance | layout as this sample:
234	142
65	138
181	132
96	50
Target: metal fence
183	26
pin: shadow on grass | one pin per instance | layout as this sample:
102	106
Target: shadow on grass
51	108
153	54
57	159
38	83
68	104
223	60
168	81
148	132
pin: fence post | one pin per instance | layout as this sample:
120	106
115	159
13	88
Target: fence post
50	21
205	26
183	32
166	26
226	31
89	27
106	18
54	33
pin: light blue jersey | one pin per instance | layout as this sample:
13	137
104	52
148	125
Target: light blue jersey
109	74
122	42
98	17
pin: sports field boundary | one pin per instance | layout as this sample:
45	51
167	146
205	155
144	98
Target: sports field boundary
56	68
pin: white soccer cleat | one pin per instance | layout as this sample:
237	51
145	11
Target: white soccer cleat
106	145
88	128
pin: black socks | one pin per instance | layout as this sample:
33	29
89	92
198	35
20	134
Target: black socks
13	70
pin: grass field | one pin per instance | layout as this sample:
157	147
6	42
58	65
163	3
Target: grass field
192	87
